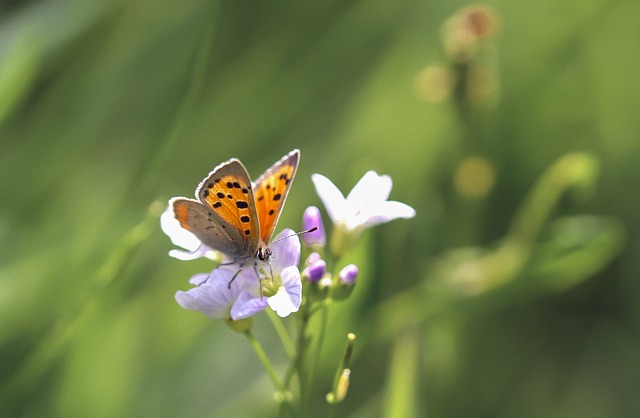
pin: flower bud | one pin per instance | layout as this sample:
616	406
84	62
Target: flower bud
313	219
314	272
348	275
313	257
346	283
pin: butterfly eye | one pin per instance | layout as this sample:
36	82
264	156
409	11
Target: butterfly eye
263	253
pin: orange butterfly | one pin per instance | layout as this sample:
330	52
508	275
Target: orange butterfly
234	216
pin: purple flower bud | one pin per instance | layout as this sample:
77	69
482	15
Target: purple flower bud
315	271
313	219
348	275
313	257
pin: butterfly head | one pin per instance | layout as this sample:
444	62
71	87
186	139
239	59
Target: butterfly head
263	253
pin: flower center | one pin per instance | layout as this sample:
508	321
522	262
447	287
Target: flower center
270	286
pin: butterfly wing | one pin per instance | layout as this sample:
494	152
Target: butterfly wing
201	222
224	216
271	190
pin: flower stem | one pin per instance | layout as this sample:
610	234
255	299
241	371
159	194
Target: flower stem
324	316
281	392
300	362
285	338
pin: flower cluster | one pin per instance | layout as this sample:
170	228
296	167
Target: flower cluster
236	290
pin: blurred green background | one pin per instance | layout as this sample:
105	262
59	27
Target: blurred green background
513	292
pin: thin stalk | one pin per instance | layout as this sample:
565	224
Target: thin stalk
281	330
301	360
324	312
271	371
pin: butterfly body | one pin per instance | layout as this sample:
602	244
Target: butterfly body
233	215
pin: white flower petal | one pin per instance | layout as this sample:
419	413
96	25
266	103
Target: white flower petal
289	296
178	235
388	211
281	303
371	189
332	198
201	251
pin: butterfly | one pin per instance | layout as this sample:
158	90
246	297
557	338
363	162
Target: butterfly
233	215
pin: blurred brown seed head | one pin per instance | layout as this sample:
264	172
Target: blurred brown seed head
463	33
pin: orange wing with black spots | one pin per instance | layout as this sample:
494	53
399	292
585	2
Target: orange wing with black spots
201	221
224	216
232	215
271	190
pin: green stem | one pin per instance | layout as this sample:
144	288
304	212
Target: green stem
285	338
340	384
299	365
572	170
257	347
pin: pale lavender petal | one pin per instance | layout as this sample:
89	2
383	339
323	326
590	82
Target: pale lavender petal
211	299
332	198
285	251
247	305
293	285
313	257
199	279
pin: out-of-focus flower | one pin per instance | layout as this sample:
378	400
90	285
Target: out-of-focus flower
434	83
364	207
346	282
348	275
464	32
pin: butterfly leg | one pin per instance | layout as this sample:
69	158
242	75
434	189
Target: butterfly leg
255	268
237	272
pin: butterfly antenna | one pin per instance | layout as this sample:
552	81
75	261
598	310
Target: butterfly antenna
294	234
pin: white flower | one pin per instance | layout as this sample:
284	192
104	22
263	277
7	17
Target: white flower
289	295
365	206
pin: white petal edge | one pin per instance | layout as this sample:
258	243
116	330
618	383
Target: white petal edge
289	296
388	211
332	198
370	189
178	235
